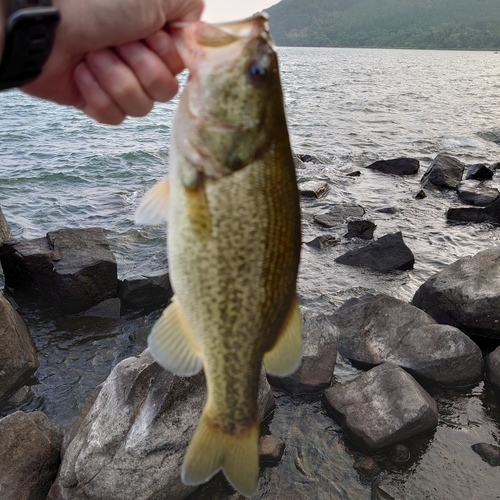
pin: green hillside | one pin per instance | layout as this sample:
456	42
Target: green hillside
422	24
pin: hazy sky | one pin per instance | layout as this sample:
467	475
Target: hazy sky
233	10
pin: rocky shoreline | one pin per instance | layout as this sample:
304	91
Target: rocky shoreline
132	433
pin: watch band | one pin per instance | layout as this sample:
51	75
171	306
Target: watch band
29	37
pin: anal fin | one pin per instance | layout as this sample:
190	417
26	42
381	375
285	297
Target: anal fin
284	357
172	344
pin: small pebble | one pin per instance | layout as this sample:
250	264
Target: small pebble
367	467
400	453
271	449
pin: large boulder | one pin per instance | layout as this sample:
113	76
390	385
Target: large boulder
130	443
4	228
397	166
479	171
465	294
72	269
375	329
363	229
388	253
18	357
491	213
445	172
474	193
382	407
319	354
29	455
492	363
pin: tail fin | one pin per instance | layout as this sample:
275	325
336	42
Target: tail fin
212	450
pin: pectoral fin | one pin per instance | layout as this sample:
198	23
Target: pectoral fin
154	206
172	344
284	357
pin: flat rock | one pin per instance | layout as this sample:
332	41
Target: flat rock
488	452
4	228
271	449
72	269
397	166
491	213
297	161
130	442
363	229
465	294
109	308
374	329
479	171
367	467
474	193
388	253
18	357
146	292
323	241
338	214
313	189
492	363
445	172
382	407
29	455
319	354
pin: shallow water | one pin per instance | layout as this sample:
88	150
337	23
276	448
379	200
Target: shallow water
349	106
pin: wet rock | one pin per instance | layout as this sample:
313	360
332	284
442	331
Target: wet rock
397	166
491	213
313	189
382	407
20	397
323	241
445	172
356	173
388	253
4	228
29	455
337	214
420	195
492	362
306	158
465	294
319	354
146	292
374	329
297	161
131	441
271	449
379	493
387	210
73	269
18	357
360	229
488	452
367	467
479	171
109	308
400	453
476	194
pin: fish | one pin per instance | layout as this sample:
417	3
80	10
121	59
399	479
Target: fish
233	238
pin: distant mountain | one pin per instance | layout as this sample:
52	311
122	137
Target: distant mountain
421	24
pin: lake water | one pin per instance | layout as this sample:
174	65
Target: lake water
350	107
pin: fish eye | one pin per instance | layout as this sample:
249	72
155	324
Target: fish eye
256	72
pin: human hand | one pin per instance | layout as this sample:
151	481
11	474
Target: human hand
112	58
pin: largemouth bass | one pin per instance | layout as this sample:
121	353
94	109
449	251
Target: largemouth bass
233	241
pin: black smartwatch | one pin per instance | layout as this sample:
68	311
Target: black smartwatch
29	37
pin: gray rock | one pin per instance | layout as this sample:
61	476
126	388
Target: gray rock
445	172
488	452
397	166
400	453
363	229
18	357
388	253
4	228
479	171
338	214
367	467
476	194
20	397
297	161
73	269
146	292
319	354
313	189
323	241
492	362
491	213
382	407
465	294
29	455
379	493
387	210
109	308
374	329
130	442
420	195
356	173
271	449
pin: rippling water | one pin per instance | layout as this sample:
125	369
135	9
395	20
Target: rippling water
350	107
